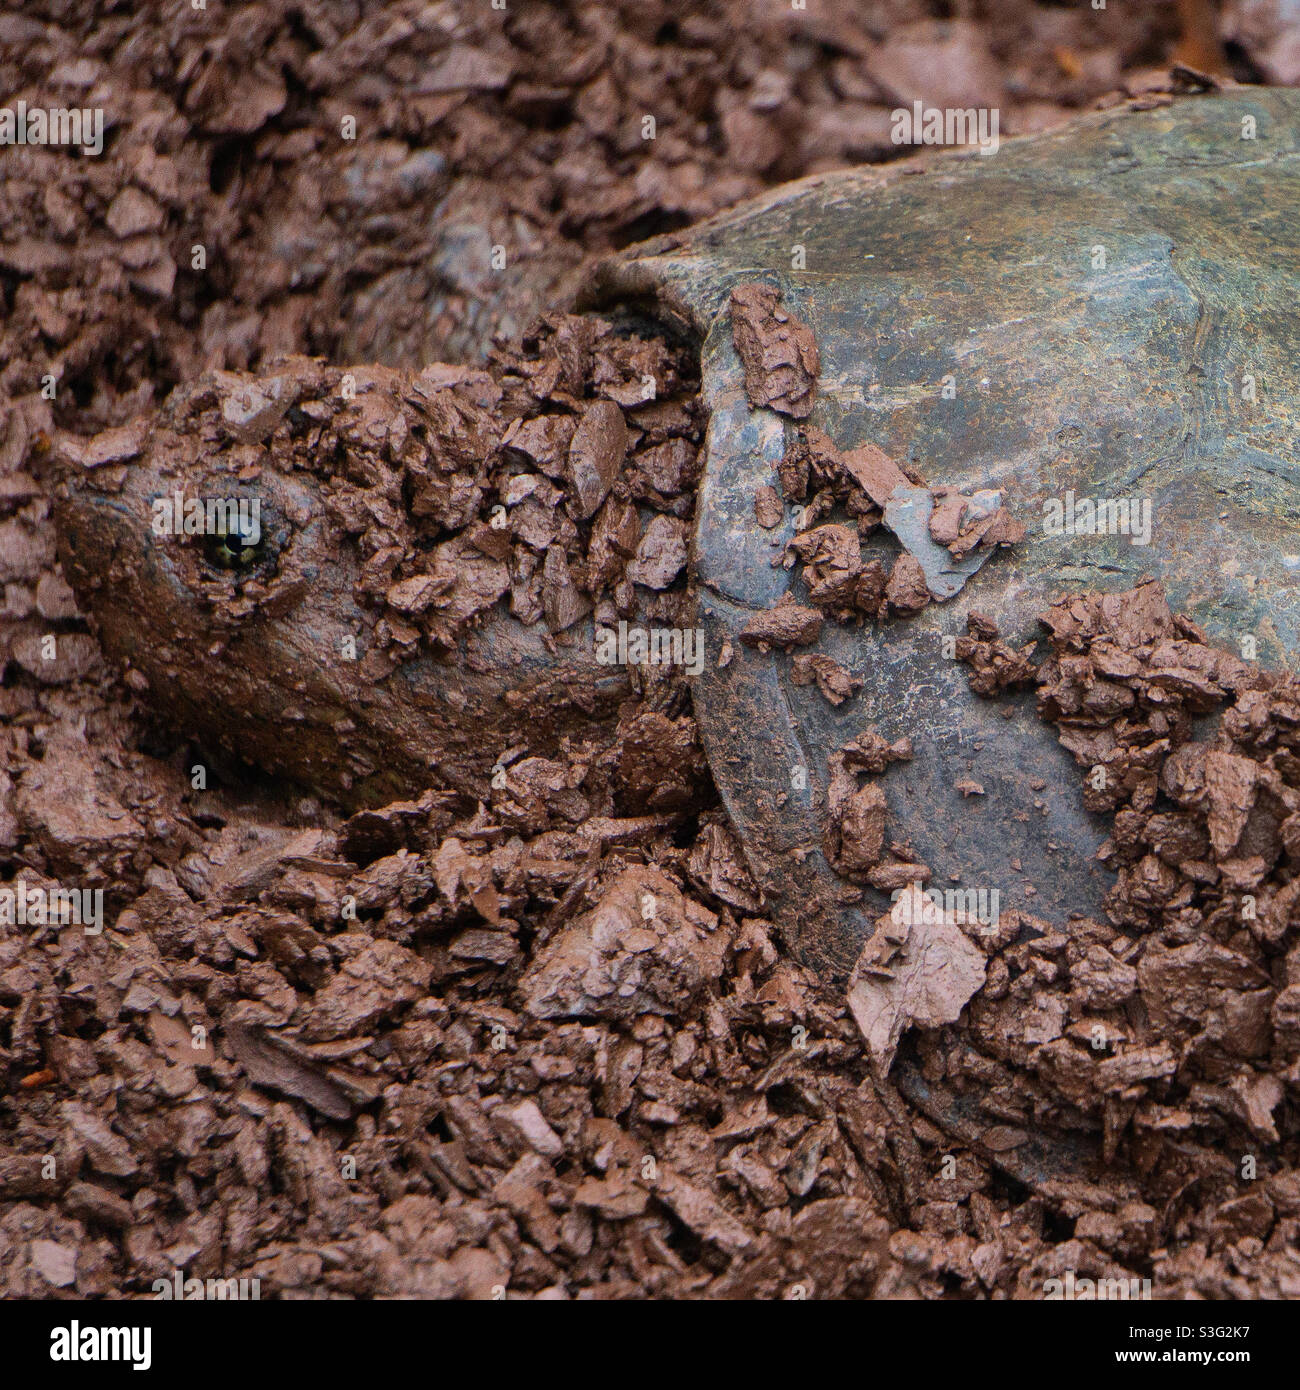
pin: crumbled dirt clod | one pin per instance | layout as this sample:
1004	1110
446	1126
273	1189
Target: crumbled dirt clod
906	591
596	455
964	524
768	511
661	766
834	682
854	836
993	665
835	574
873	471
786	624
643	949
661	554
917	968
779	352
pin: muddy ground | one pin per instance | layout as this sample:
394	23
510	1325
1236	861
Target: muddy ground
437	1047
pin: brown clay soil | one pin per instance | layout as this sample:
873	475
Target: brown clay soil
438	1046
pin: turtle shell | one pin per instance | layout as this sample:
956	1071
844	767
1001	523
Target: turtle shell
1099	298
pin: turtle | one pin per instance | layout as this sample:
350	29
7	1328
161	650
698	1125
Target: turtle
1109	306
1103	310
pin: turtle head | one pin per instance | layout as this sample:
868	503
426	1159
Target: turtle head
236	550
222	588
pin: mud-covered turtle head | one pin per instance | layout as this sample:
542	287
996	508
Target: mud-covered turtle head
1102	313
223	565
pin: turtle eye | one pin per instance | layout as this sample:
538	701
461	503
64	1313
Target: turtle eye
238	546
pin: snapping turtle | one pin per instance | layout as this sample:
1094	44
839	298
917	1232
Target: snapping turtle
1111	308
1078	314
